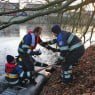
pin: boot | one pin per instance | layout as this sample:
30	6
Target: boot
67	80
66	77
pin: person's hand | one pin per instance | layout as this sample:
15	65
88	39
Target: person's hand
44	44
44	65
38	52
50	69
50	48
60	61
54	50
25	81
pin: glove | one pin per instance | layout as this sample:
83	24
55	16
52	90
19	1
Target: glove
50	48
40	64
44	65
60	61
52	69
37	52
25	81
44	44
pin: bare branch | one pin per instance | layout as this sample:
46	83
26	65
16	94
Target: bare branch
38	15
79	5
33	9
66	6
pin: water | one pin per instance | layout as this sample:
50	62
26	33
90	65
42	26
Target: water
9	45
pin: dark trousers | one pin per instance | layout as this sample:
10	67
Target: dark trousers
26	62
71	59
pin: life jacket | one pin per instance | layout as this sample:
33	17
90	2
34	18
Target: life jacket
9	68
11	73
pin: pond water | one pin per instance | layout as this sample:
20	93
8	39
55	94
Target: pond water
9	45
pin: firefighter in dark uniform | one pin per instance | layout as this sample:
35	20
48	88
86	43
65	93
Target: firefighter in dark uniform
71	50
26	51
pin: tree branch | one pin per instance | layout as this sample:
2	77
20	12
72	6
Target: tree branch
33	9
79	5
65	8
38	15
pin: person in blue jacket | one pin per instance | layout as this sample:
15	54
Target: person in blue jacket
71	50
26	52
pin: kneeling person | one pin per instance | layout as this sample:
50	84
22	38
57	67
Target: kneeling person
12	71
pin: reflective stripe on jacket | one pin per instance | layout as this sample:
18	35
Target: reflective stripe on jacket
12	75
13	82
28	43
68	41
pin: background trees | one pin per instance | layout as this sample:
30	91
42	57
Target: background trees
70	15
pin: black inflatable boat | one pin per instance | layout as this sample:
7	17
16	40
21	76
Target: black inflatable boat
30	89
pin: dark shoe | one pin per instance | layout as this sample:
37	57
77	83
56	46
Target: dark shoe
67	80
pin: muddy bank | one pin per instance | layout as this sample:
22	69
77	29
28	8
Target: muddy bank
84	78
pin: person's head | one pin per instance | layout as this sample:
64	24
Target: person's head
37	31
30	31
10	59
56	29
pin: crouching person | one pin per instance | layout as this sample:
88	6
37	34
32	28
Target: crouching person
26	52
71	50
28	74
12	71
15	73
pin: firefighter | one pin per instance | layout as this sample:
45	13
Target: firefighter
12	71
71	50
26	51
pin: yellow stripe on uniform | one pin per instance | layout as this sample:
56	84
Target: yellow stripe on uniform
12	75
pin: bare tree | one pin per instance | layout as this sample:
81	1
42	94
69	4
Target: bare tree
42	11
70	16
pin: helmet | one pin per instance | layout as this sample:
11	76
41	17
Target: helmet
56	29
9	58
